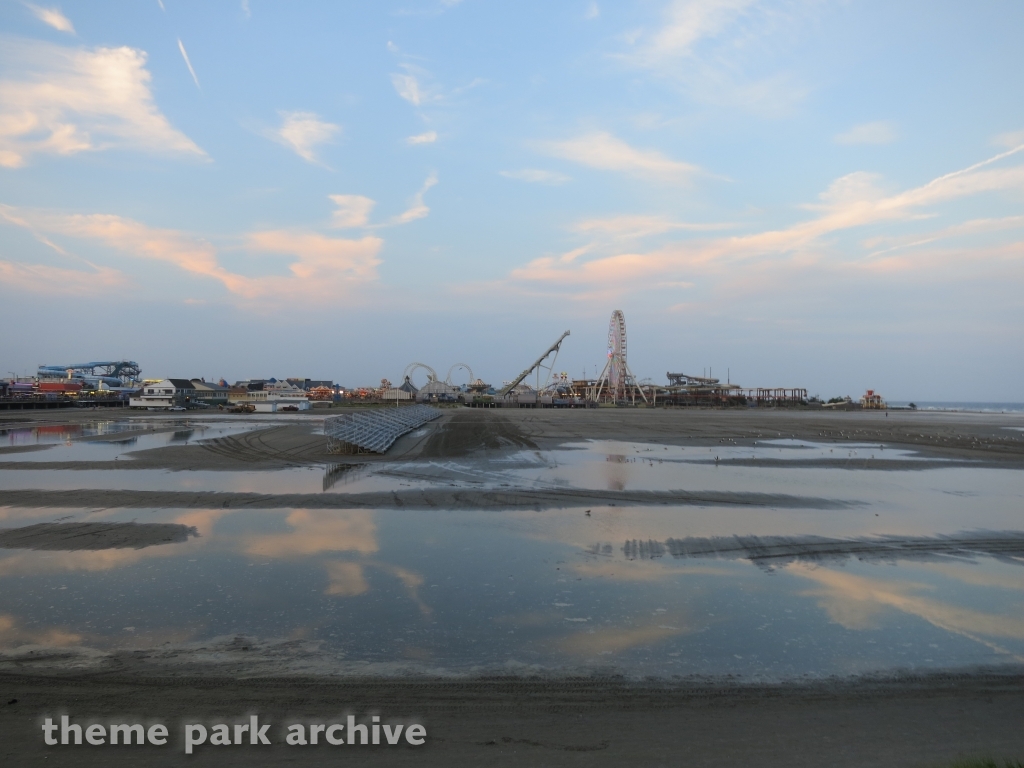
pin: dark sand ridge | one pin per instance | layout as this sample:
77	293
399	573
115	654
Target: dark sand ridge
770	552
430	498
977	438
94	536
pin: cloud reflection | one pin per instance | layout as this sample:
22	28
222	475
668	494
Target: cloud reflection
611	640
318	531
855	602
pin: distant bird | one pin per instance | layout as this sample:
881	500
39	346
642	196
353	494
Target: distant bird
587	513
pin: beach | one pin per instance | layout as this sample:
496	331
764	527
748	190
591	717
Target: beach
545	587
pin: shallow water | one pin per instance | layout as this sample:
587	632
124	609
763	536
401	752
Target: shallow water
104	440
455	591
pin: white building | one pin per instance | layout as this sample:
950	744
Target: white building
163	395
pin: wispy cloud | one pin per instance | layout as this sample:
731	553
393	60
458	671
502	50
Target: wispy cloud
72	100
851	202
1009	139
879	132
417	209
709	48
422	138
638	226
407	86
592	12
352	210
52	17
184	55
303	132
606	152
246	10
686	23
536	176
43	278
321	268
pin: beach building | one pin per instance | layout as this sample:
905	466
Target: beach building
164	395
872	399
210	394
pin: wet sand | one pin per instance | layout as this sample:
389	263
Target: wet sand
70	537
896	720
974	437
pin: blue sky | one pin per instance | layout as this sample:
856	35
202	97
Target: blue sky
803	193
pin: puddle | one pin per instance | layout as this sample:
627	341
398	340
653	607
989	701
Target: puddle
107	440
924	572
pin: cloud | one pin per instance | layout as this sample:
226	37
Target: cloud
536	176
417	209
71	100
880	132
634	227
352	211
184	55
1009	139
321	268
709	48
851	202
605	152
408	87
423	138
53	17
689	21
40	278
303	132
592	11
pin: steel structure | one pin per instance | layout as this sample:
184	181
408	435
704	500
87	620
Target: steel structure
410	369
117	373
616	376
537	365
453	369
374	431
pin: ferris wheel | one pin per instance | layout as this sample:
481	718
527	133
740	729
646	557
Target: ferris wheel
616	375
617	355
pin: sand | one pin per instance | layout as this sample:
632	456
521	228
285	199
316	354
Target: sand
94	536
887	721
899	721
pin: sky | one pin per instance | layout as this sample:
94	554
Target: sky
799	193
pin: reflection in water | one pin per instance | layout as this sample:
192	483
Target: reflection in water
855	602
615	474
315	531
449	589
410	591
342	474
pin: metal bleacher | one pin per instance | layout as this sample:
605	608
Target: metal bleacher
374	431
